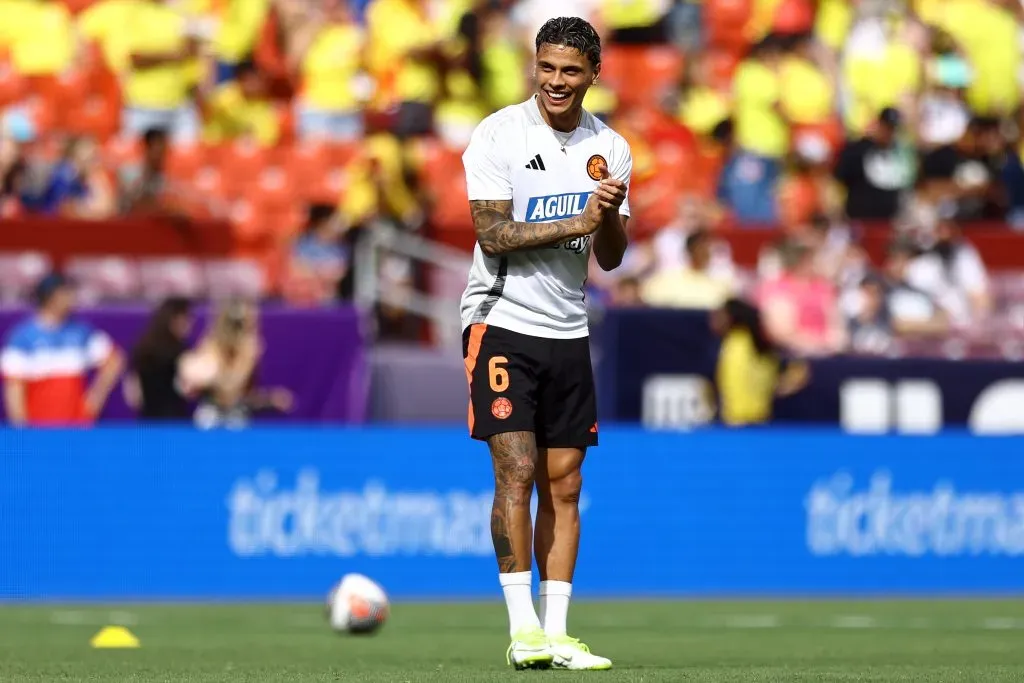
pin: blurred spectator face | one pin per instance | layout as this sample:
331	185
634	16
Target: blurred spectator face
252	83
698	247
236	321
947	236
155	144
872	299
887	127
719	321
897	261
798	258
60	303
181	325
83	154
627	292
337	11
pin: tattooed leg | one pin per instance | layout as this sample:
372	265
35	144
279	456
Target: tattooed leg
557	541
514	455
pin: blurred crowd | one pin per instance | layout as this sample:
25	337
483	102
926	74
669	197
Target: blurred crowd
308	122
60	370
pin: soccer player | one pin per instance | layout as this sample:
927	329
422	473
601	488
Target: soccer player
547	185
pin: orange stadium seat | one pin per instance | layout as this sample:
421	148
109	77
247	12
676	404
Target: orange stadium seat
185	161
273	190
76	6
12	85
249	224
725	23
121	151
239	163
209	182
641	75
96	116
307	163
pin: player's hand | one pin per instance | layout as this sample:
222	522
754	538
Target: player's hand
611	192
593	214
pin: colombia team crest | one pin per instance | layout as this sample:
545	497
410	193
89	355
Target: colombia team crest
501	408
594	165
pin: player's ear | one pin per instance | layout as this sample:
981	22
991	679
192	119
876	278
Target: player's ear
597	73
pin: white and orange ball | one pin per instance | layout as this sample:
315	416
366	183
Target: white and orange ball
357	604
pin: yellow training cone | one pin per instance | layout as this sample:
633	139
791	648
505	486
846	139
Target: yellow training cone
114	637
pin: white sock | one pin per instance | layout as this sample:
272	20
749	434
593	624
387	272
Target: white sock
518	589
554	606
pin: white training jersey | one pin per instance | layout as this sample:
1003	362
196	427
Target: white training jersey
514	155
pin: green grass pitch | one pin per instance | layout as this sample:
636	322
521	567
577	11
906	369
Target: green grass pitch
722	641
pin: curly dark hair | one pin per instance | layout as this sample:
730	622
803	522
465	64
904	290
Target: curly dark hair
572	32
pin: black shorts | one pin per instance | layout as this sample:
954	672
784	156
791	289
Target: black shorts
519	383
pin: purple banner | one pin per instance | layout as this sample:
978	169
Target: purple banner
319	354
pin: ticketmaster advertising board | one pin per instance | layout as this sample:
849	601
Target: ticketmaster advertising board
168	513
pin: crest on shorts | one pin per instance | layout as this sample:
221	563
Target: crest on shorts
594	165
501	408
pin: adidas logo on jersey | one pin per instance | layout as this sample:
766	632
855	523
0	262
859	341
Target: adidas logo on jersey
536	163
555	207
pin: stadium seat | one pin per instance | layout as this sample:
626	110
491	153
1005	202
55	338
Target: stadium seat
76	6
248	224
19	274
121	151
725	23
641	75
239	164
273	191
185	161
12	86
234	278
104	278
160	278
209	182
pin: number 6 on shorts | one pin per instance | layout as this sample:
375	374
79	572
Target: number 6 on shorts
497	374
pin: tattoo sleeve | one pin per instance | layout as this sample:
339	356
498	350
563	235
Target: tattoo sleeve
514	455
499	234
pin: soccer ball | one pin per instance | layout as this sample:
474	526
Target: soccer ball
357	604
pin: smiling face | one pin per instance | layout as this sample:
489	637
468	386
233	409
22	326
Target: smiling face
563	77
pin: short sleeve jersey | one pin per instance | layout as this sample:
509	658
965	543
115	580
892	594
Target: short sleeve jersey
514	155
53	363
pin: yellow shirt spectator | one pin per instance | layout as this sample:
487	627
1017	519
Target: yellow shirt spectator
685	288
990	37
156	31
397	30
39	36
239	27
746	380
375	182
807	95
104	23
703	108
879	81
759	129
329	67
503	60
230	115
833	21
622	14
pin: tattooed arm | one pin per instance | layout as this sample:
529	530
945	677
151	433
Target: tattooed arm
498	234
